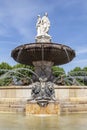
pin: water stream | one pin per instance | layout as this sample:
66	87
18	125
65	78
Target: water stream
42	51
66	52
19	53
16	74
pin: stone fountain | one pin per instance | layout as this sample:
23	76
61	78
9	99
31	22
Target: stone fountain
43	54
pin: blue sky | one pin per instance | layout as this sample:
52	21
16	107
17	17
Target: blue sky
68	26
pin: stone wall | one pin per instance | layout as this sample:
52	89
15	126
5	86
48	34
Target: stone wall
70	98
61	92
15	92
70	92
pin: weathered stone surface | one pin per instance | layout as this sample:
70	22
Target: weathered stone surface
34	108
71	99
43	39
43	69
57	53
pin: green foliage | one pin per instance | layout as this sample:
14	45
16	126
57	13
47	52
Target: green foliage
58	71
4	67
23	73
85	69
77	71
80	75
5	81
19	71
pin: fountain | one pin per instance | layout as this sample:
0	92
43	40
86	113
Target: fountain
43	54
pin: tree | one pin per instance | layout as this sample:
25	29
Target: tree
4	67
24	69
85	70
79	74
20	73
23	72
77	71
58	71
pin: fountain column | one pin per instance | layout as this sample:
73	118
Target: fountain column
43	69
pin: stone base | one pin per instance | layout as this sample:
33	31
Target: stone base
43	38
34	108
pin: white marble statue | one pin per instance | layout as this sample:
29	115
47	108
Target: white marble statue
43	25
38	25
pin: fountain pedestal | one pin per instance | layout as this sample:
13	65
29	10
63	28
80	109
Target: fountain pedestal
43	69
43	38
33	108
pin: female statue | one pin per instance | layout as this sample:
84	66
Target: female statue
43	25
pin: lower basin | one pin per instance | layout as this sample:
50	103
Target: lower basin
63	122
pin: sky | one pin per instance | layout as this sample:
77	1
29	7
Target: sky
68	20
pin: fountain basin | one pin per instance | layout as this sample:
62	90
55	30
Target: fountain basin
57	53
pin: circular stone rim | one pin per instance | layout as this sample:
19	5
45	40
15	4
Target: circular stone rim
58	53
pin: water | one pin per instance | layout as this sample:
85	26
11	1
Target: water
66	52
63	122
15	73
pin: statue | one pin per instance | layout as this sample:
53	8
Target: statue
43	90
43	25
38	25
36	91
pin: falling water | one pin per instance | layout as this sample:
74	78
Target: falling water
73	81
82	75
19	53
71	78
28	70
42	53
66	53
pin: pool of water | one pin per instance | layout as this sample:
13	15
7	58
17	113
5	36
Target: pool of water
62	122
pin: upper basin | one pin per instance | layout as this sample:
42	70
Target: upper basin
57	53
